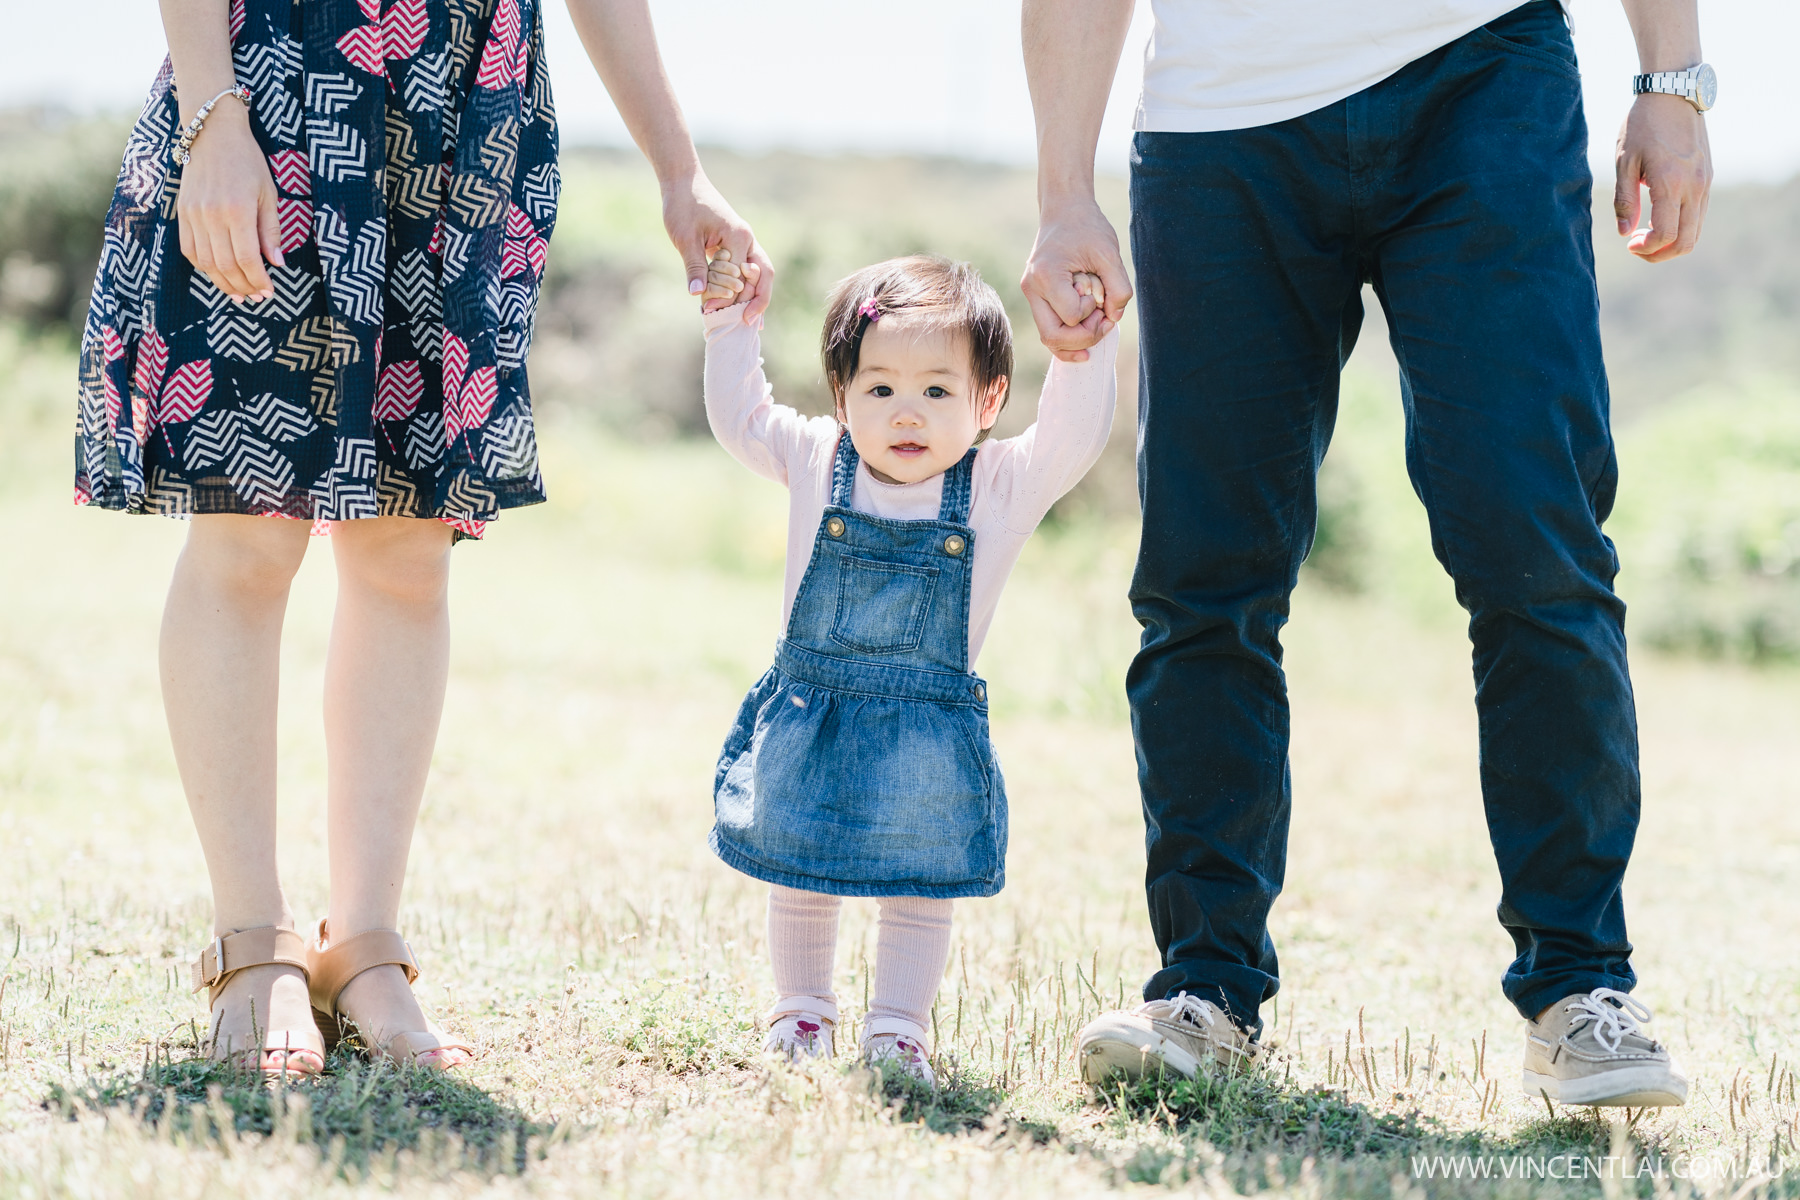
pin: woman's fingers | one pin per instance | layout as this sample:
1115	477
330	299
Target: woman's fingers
184	229
268	228
762	286
226	244
224	266
246	252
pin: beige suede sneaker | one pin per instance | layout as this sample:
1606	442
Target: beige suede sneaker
1173	1036
1592	1048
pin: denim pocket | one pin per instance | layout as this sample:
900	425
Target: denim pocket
1536	31
881	605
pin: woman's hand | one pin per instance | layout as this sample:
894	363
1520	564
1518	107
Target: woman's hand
701	225
621	42
226	209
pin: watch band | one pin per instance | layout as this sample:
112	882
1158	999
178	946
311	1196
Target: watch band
1667	83
1698	85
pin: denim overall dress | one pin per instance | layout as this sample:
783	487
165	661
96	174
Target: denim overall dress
860	764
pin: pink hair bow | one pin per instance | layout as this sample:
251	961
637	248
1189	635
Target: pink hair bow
870	309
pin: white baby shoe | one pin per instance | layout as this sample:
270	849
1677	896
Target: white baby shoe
892	1044
802	1027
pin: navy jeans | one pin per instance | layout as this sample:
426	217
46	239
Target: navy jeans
1459	188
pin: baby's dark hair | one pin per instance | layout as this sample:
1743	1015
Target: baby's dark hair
949	294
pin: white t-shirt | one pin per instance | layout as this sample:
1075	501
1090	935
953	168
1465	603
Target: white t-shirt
1233	64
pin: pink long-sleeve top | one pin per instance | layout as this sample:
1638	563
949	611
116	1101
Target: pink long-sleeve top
1016	479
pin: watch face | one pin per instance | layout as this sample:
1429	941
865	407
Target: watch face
1706	86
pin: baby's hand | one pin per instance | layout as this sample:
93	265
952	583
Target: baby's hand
1089	285
726	280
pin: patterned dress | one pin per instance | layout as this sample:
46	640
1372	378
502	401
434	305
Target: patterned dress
413	146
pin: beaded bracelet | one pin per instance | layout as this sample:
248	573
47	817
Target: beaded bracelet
184	141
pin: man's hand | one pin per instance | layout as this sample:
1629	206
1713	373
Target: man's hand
1075	279
700	224
1071	52
1662	145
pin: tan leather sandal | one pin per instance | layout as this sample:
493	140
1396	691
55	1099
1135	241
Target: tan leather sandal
287	1051
331	968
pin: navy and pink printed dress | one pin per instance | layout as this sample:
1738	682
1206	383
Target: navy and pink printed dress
413	145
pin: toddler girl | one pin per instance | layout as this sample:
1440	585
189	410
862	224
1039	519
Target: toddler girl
860	764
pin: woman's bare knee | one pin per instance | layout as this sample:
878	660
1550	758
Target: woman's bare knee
403	559
252	557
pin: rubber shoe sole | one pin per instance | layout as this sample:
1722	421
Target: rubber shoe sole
1128	1051
1648	1086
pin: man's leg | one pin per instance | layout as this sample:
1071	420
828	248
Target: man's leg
1483	258
1248	305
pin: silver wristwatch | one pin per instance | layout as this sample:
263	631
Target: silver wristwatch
1697	85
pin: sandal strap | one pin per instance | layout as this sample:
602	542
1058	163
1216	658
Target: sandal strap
332	967
233	952
802	1006
876	1027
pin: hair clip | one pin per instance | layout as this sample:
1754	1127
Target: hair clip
870	309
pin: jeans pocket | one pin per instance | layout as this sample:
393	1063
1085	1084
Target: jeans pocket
881	605
1536	31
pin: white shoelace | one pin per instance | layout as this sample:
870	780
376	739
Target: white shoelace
1612	1021
1202	1014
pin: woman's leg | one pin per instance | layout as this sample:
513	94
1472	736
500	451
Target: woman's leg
221	652
384	695
911	949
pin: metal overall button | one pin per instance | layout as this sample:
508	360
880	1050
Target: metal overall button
980	690
835	527
954	544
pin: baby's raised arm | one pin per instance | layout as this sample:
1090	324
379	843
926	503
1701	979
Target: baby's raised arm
1075	412
740	406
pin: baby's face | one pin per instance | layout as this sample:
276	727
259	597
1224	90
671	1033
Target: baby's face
911	408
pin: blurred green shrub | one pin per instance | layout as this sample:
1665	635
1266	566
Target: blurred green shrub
1372	536
1707	521
1708	524
56	181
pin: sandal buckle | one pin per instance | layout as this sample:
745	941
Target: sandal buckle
201	978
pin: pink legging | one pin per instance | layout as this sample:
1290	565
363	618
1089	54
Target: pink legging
910	951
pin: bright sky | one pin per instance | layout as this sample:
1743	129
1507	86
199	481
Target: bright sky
931	76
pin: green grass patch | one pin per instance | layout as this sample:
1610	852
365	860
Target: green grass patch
355	1112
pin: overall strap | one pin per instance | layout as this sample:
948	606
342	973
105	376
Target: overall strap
958	481
843	471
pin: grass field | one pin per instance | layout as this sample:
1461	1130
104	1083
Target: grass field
570	917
